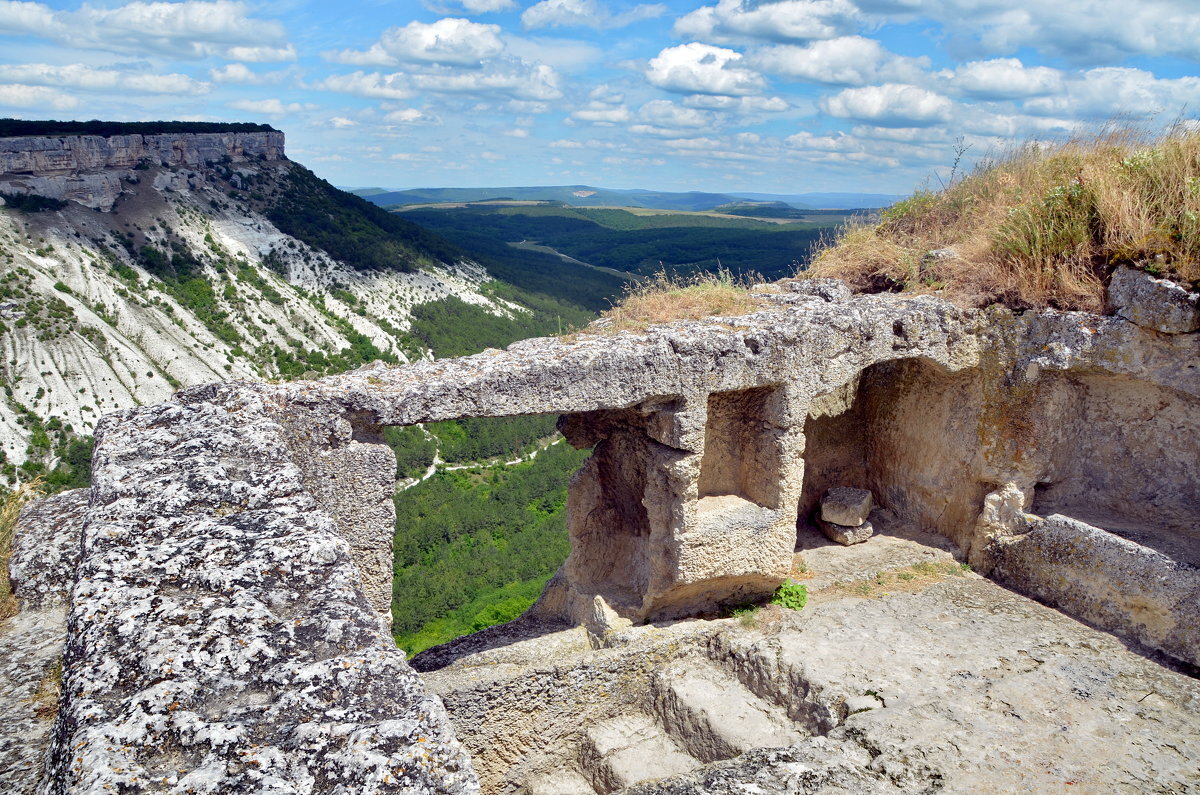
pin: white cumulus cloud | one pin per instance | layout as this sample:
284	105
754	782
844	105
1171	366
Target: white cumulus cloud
1004	78
189	29
602	114
847	61
1108	91
448	41
788	20
87	78
585	13
702	69
482	6
21	96
271	107
410	116
510	77
369	84
890	105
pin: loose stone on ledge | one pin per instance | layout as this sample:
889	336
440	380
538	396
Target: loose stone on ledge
846	535
846	506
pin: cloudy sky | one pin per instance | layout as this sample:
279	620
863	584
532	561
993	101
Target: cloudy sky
787	96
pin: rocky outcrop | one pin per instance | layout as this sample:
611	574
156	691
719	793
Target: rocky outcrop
94	171
234	564
1157	304
42	569
219	638
45	552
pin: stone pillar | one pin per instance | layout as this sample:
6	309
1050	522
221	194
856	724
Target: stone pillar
352	475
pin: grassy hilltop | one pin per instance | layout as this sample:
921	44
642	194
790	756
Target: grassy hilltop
1042	227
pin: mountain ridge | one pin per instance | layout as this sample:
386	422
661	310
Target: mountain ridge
216	261
591	196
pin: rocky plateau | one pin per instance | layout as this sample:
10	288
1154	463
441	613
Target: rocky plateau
1021	619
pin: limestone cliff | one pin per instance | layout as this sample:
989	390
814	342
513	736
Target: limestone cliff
94	170
88	324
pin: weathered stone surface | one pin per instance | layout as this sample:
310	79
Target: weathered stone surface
825	289
92	169
31	645
846	506
846	535
1127	586
45	551
219	639
1158	304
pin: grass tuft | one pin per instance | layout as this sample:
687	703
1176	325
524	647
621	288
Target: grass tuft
10	508
665	298
1042	226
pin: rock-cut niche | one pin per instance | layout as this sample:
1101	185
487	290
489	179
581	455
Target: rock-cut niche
742	447
906	430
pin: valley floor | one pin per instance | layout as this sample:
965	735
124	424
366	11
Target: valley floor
906	672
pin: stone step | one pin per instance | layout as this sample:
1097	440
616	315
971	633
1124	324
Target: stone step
714	716
631	749
559	782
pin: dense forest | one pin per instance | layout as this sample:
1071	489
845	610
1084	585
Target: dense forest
452	327
18	127
351	229
467	440
641	244
474	547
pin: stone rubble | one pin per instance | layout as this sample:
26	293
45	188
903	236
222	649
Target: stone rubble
846	534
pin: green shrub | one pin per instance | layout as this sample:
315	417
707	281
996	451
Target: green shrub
792	595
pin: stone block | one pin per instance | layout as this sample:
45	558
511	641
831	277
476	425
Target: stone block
846	535
846	506
1152	303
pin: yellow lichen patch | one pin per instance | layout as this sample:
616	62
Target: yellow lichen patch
48	692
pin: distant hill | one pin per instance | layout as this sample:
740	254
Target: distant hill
589	196
827	201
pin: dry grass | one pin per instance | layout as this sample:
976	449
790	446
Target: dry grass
910	579
10	507
1040	227
49	692
663	299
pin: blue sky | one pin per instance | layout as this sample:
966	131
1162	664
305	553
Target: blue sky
787	97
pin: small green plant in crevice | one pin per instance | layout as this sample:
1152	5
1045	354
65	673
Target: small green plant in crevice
792	595
746	613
